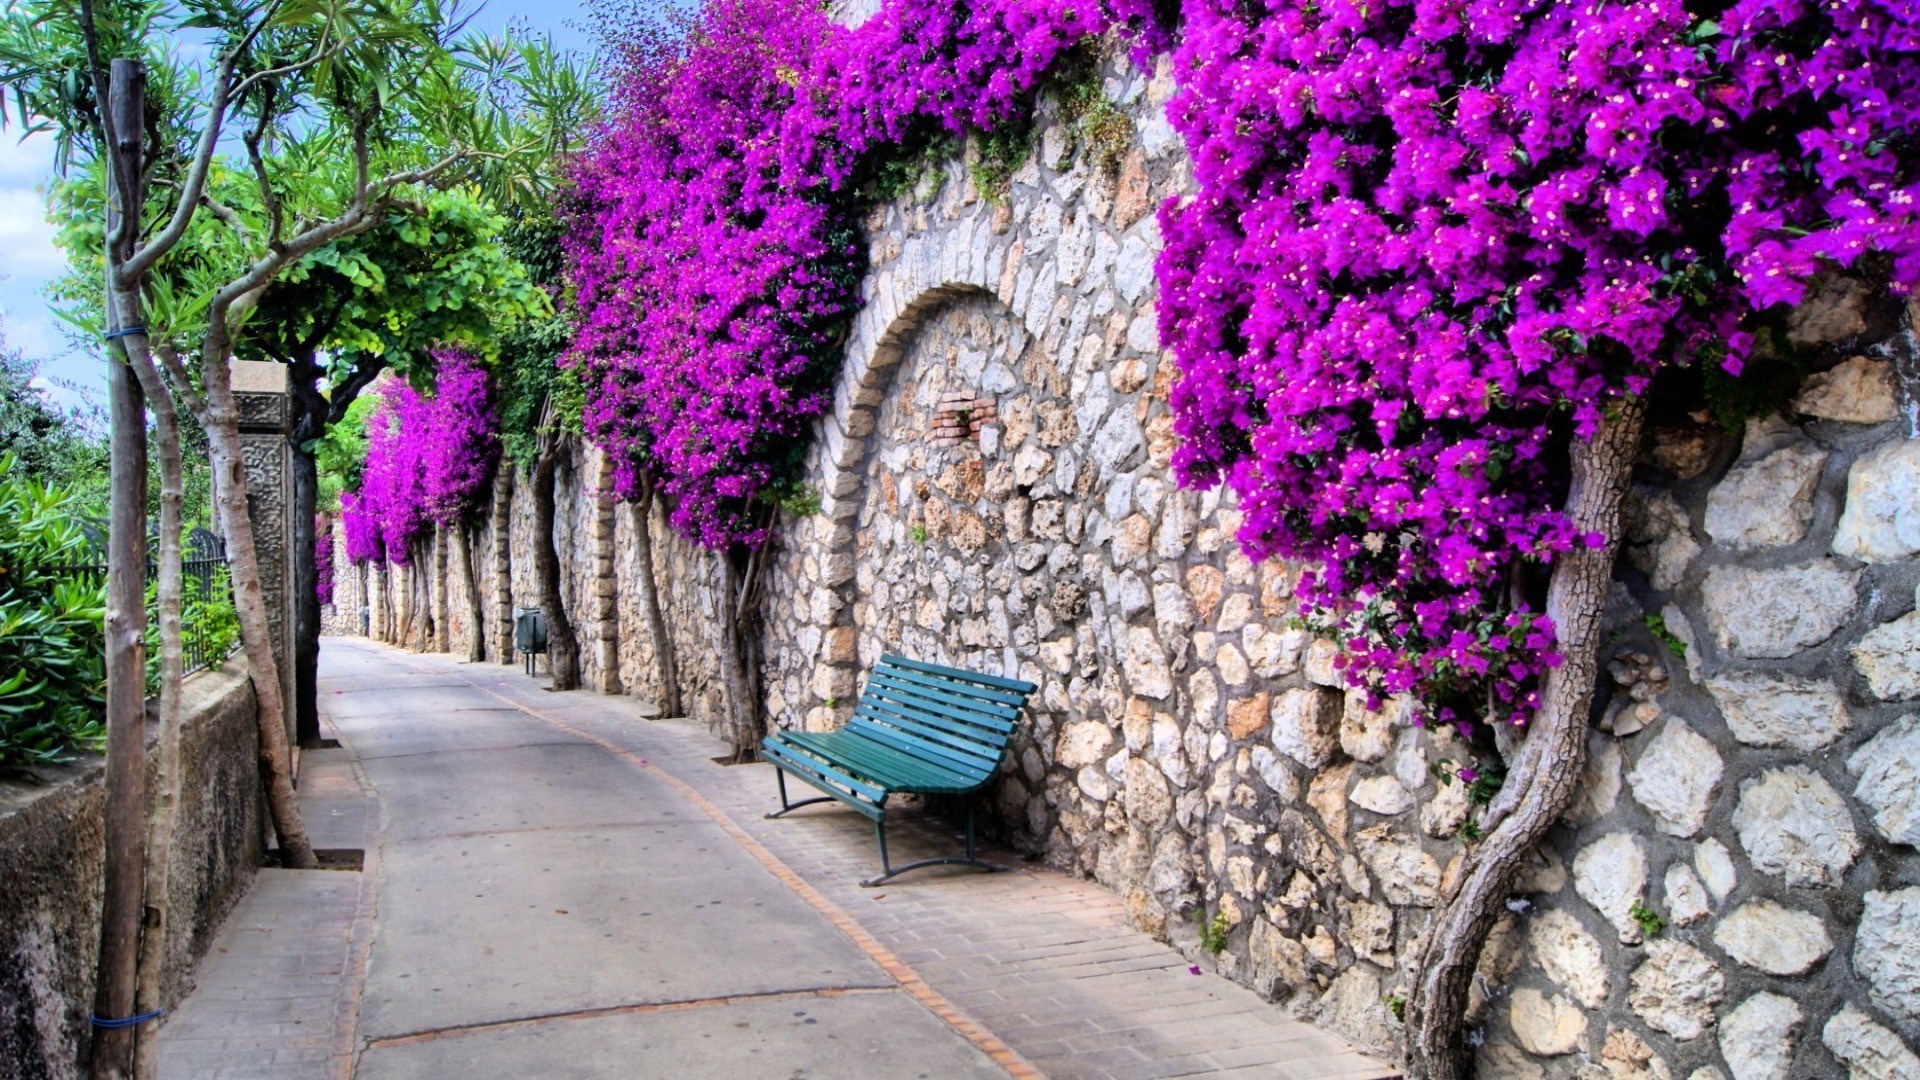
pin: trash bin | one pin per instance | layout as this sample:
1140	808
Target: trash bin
529	634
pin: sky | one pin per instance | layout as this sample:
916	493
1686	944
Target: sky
29	261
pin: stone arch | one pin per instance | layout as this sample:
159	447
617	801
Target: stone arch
973	254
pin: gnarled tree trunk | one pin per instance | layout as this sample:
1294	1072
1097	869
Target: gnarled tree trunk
1541	782
563	647
665	663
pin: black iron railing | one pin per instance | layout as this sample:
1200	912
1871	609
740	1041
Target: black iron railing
209	629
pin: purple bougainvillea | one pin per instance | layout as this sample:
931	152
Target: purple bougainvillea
1428	242
714	257
428	461
1431	237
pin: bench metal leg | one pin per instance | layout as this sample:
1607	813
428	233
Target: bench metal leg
781	776
888	870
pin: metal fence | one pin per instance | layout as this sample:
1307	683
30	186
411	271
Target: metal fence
209	630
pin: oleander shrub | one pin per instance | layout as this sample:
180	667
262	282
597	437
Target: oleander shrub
52	608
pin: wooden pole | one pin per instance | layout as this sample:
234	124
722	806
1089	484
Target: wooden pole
126	621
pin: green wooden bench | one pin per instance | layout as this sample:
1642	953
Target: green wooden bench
917	728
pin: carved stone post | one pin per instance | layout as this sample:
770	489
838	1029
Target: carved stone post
260	397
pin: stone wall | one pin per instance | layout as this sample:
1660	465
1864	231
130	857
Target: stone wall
51	853
996	494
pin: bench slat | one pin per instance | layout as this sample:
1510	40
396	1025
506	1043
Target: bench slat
887	765
882	763
972	710
821	770
984	693
917	729
994	681
954	733
932	754
910	701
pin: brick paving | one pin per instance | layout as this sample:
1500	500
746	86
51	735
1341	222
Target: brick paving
1045	963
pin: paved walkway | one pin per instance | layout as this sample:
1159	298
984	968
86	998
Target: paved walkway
555	886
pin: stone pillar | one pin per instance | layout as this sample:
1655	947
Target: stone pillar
260	398
605	588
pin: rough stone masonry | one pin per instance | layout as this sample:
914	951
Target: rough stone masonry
996	494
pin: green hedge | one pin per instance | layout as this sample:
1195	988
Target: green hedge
52	648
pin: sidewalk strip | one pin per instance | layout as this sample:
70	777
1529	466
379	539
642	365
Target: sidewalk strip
346	1015
910	981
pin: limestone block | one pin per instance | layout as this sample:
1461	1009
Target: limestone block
1889	657
1686	896
1889	770
1757	1038
1858	391
1356	1004
1306	725
1775	939
1611	874
1367	734
1148	801
1676	778
1133	271
1764	709
1715	864
1599	789
1881	522
1833	310
1408	875
1543	1025
1766	502
1082	744
1676	988
1320	663
1627	1056
1659	537
1569	955
1884	952
1146	665
1869	1051
1795	826
1382	795
1773	613
1246	716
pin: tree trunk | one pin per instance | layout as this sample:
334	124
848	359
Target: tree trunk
665	664
463	557
563	647
503	560
221	422
1540	785
739	656
606	585
308	423
125	629
163	814
419	597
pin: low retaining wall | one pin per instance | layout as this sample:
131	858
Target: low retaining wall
51	863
